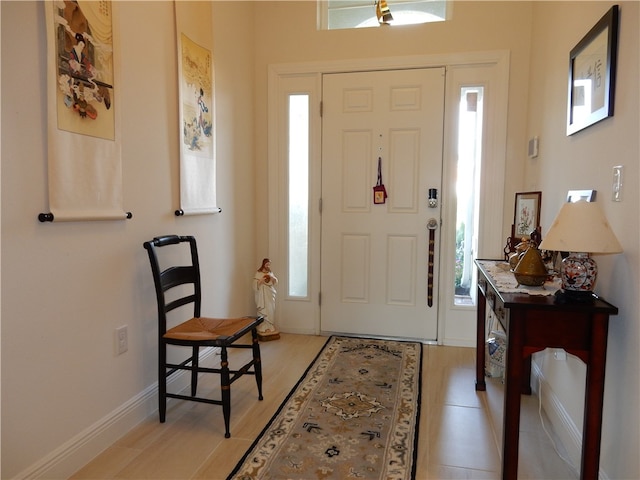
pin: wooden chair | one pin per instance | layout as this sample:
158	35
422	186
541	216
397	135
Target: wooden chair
196	331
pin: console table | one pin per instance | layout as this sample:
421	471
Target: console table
533	321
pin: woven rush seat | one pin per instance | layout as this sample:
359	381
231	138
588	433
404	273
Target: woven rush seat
205	329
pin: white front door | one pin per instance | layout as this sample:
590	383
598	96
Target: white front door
375	258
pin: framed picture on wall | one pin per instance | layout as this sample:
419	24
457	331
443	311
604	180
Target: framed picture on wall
592	74
526	215
577	195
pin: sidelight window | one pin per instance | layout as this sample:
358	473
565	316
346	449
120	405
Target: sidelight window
467	190
298	197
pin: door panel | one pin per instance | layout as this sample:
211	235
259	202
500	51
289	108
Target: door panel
354	178
374	257
355	268
403	172
401	269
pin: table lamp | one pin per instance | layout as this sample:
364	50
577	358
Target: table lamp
581	229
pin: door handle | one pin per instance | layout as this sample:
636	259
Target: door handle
432	224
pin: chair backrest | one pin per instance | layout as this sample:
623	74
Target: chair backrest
174	276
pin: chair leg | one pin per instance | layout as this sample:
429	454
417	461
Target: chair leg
162	381
195	361
225	387
257	365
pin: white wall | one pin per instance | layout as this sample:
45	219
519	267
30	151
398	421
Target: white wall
585	161
67	286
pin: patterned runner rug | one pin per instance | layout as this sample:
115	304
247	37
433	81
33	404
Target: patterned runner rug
353	414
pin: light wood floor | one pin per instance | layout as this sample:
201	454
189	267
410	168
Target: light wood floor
460	429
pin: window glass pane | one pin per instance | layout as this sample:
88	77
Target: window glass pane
337	14
467	190
298	198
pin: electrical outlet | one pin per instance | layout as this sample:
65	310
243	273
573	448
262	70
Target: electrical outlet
560	354
122	340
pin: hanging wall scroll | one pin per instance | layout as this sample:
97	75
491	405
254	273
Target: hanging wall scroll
197	130
84	159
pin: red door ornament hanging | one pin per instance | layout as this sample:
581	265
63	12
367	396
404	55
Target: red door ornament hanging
379	192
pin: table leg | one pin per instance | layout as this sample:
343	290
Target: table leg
594	395
480	340
514	373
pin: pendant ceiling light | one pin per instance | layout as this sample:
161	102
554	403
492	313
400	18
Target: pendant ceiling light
383	13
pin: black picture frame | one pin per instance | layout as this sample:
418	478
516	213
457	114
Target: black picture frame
592	74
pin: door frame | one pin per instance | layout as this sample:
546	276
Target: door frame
302	315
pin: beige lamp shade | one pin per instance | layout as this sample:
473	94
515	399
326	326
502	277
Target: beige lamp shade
581	227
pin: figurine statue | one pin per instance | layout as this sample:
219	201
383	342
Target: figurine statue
264	287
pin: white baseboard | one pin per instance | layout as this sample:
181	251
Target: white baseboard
296	330
563	426
72	455
459	342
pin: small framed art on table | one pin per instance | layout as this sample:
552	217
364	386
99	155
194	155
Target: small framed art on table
526	215
526	219
577	195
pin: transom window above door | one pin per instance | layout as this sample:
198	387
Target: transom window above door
341	14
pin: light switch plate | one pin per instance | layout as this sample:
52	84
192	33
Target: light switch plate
617	183
532	149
